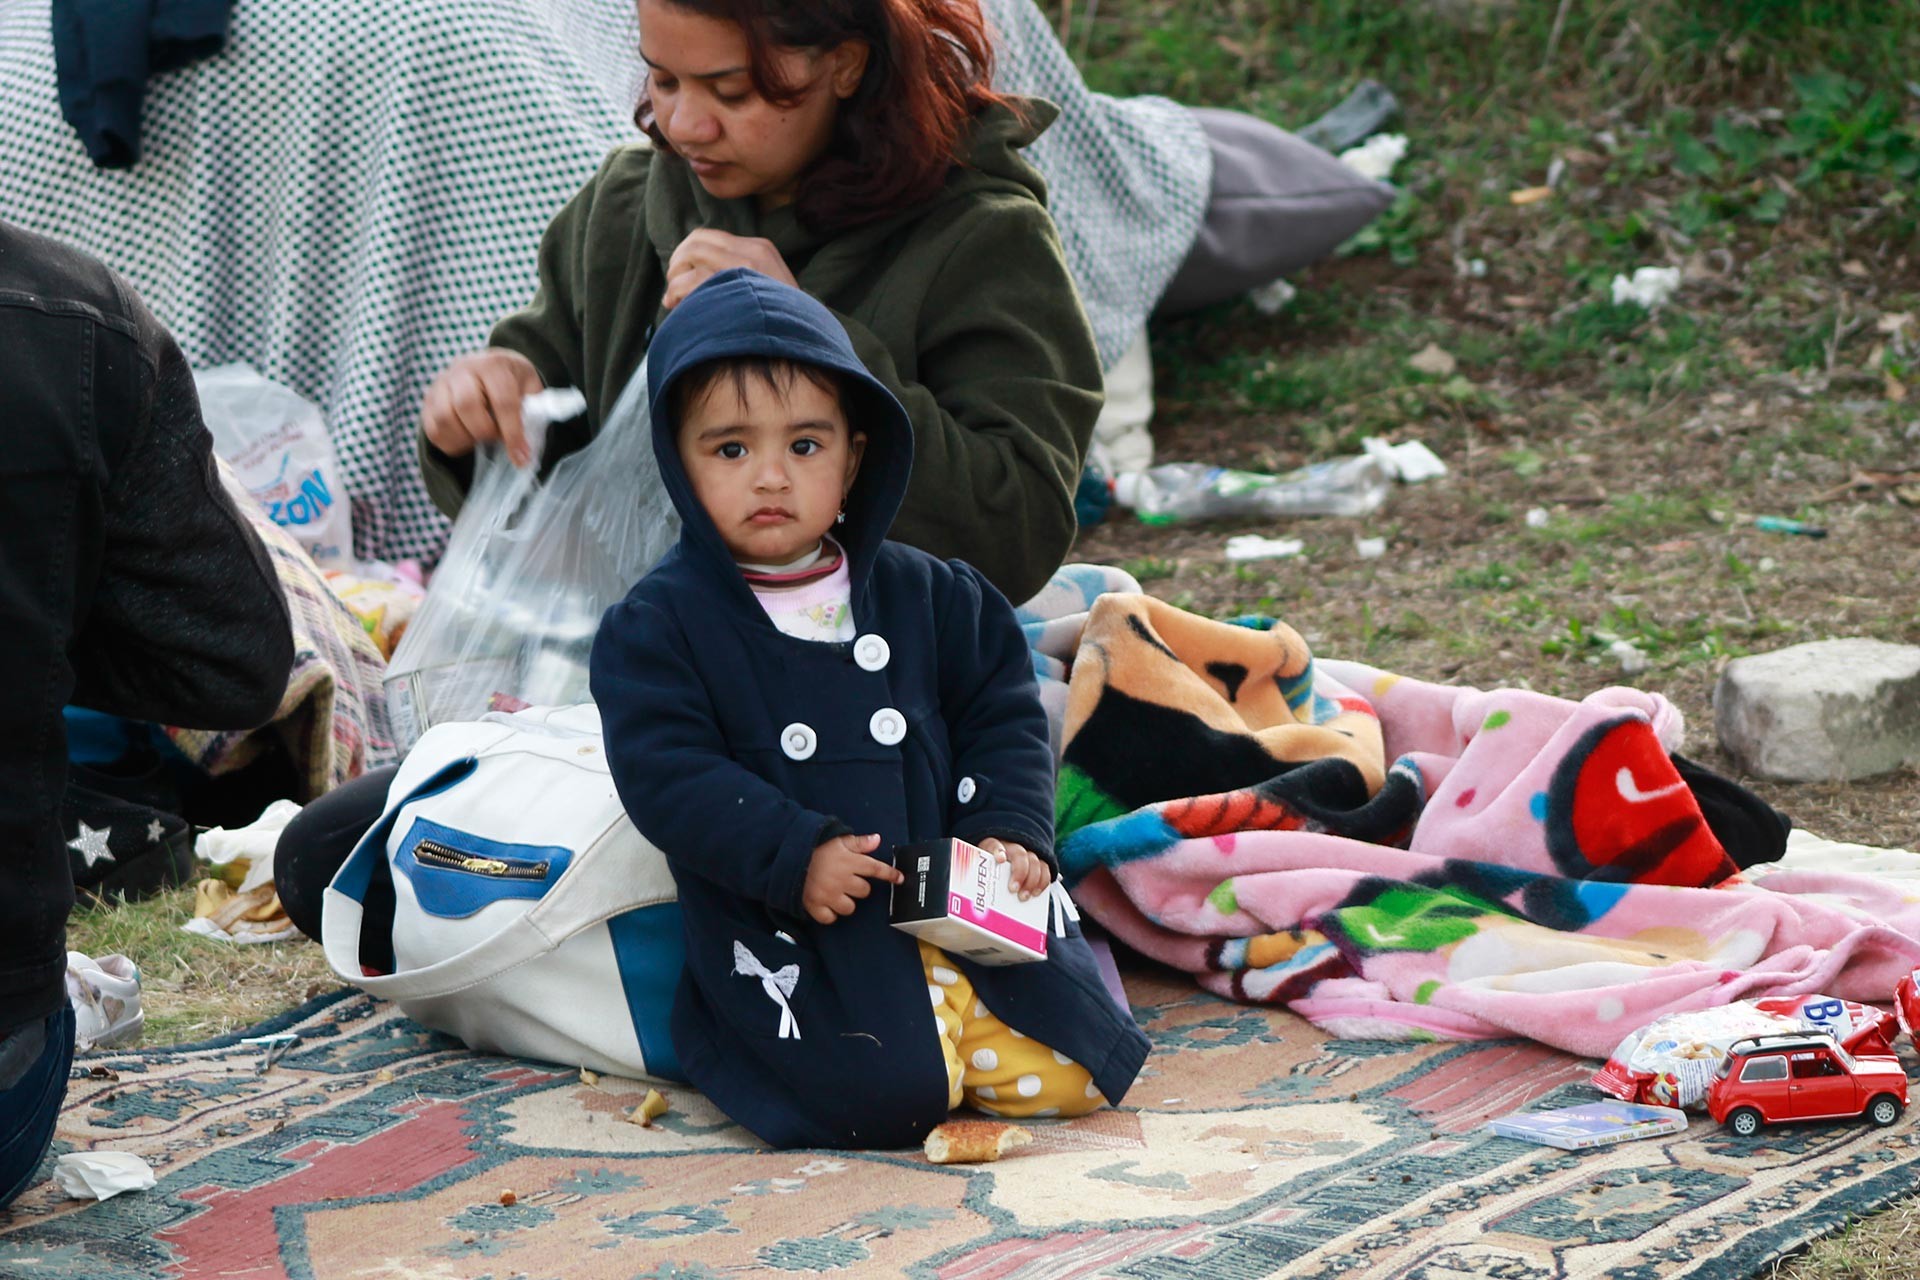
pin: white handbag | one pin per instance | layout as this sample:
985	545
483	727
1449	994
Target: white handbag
530	917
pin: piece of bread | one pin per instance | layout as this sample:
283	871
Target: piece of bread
974	1141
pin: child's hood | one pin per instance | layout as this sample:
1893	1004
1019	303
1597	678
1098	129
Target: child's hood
743	313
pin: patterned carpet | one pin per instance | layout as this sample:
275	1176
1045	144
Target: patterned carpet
1254	1146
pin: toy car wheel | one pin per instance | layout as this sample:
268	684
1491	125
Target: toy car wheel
1883	1110
1745	1122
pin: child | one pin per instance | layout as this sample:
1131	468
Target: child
787	696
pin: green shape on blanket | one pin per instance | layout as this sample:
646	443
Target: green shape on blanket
1079	802
1496	720
1423	993
1409	917
1224	899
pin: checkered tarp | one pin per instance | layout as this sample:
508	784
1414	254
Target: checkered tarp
352	193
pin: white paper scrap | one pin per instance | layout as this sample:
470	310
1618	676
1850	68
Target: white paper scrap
1251	546
101	1175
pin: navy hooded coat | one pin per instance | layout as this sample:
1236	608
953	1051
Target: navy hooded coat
737	749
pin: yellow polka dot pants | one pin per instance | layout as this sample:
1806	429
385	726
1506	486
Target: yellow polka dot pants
990	1066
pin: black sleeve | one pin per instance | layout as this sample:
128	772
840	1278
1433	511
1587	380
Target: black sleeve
187	624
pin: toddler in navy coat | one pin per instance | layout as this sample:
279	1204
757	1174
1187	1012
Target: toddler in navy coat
786	697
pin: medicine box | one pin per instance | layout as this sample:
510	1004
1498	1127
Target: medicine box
956	897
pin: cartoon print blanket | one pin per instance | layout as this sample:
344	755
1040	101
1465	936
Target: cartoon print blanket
1393	858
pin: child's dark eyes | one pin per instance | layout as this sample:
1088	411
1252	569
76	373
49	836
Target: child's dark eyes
807	448
733	450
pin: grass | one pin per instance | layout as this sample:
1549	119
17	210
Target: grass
193	988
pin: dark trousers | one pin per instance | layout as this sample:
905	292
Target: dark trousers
30	1104
314	845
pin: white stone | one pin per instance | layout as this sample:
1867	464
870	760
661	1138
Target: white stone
1829	710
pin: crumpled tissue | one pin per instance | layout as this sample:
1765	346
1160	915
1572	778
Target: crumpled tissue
101	1175
1651	287
1376	157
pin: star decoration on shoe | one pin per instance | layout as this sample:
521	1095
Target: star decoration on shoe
155	832
91	844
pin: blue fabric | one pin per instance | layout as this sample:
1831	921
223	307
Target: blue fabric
94	737
104	51
695	686
454	895
649	953
30	1107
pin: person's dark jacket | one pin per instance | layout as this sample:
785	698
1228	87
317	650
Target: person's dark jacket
962	306
128	581
737	749
104	52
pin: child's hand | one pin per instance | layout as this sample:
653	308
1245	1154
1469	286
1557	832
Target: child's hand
1030	875
476	401
838	875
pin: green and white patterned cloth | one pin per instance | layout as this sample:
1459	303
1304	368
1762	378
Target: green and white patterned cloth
353	193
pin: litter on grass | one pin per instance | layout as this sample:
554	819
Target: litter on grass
1631	660
1376	157
1410	461
1650	287
1271	299
1251	546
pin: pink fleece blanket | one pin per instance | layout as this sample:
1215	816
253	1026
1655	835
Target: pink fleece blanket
1394	858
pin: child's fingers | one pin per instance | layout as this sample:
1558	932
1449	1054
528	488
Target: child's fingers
994	846
874	869
822	914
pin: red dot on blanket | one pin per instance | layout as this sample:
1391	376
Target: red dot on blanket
1465	798
1225	843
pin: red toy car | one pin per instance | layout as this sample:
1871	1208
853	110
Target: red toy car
1775	1078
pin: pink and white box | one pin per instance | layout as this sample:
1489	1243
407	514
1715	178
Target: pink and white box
956	897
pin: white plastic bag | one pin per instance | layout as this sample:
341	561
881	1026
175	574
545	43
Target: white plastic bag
511	612
276	441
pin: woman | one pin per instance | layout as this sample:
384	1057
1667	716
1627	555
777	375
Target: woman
853	148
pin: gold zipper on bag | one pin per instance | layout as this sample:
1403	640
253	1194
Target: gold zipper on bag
434	854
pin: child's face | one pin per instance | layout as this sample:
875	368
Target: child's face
771	466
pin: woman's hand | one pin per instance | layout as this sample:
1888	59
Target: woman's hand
476	401
1029	875
838	876
707	252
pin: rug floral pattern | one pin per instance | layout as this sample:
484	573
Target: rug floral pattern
1253	1146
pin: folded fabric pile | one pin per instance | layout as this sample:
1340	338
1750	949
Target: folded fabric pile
332	720
1402	859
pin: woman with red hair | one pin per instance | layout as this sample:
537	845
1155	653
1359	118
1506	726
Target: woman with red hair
855	149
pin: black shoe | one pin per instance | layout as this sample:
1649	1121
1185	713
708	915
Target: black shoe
120	848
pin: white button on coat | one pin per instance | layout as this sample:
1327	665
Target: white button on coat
798	741
966	790
871	652
888	726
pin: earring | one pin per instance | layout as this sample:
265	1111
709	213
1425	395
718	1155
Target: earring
841	518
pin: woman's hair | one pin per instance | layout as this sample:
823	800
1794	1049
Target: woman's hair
929	66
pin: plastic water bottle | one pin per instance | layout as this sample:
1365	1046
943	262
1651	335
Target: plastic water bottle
1179	491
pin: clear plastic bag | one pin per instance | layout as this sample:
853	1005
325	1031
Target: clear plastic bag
510	615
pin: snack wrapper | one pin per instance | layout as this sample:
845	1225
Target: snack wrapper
1672	1061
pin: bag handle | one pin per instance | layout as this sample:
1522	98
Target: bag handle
517	942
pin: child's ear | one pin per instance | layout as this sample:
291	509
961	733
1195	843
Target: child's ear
856	448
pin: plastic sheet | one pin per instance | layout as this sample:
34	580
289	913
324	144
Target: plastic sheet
510	616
